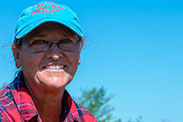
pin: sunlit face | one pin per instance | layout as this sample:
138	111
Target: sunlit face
53	68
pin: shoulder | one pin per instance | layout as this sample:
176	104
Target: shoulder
8	108
5	96
84	114
5	103
76	111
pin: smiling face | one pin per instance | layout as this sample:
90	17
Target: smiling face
53	68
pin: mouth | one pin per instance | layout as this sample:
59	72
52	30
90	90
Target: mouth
55	67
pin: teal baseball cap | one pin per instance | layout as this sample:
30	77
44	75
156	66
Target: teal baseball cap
46	11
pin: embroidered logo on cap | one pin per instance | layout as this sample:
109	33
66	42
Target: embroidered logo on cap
47	8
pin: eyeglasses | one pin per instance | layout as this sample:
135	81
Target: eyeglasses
41	45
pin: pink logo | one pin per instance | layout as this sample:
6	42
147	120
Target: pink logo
47	8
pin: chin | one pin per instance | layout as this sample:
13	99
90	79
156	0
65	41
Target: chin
54	81
57	82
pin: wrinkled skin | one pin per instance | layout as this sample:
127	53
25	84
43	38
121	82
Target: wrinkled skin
33	63
46	86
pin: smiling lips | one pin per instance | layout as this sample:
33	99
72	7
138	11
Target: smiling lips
55	67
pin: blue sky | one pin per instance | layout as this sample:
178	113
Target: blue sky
133	48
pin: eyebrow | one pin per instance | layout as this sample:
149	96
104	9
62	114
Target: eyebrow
37	35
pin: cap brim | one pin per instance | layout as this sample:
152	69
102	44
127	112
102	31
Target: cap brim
28	28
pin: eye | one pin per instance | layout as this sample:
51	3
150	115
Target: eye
39	42
66	41
66	44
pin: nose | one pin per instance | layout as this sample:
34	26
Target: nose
54	52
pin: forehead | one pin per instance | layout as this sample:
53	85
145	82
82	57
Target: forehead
46	27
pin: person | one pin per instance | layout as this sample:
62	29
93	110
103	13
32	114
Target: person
47	45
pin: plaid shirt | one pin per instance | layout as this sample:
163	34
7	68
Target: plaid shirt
16	105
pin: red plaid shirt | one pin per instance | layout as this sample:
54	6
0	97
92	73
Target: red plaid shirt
16	105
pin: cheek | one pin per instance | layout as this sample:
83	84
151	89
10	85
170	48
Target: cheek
29	61
74	59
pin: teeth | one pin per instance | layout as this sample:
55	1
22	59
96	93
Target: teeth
55	67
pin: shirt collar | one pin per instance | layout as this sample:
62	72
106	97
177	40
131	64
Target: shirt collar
26	106
22	98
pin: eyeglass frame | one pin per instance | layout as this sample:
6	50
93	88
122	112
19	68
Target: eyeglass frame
18	44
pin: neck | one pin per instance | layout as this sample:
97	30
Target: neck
48	104
49	111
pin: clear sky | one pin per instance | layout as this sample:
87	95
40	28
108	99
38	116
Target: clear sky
134	48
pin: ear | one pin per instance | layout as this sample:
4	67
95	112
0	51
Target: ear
79	61
80	48
16	54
